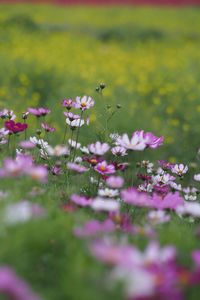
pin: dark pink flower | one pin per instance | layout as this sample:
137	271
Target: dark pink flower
15	127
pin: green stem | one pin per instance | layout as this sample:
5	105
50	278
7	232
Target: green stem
65	133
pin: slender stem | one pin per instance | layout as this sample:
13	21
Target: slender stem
77	136
25	133
65	133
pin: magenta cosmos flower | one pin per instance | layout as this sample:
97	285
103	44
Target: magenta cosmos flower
98	148
39	112
14	287
104	168
84	103
15	127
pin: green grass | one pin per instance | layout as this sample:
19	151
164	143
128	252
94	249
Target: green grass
149	59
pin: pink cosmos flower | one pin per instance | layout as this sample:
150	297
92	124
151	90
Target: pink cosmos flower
119	151
27	145
84	103
115	182
15	127
94	227
152	141
170	201
133	197
23	166
180	170
39	112
196	258
104	168
135	143
139	141
14	287
76	167
47	128
71	116
98	148
68	103
80	200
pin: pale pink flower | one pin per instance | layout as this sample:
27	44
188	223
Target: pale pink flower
27	145
135	143
180	169
14	287
197	177
119	151
68	103
47	128
115	182
104	168
76	167
39	112
158	217
80	200
95	227
152	141
98	148
84	103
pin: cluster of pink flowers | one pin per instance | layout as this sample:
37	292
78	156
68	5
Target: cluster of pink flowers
23	166
112	194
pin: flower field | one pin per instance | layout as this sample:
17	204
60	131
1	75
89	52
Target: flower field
99	140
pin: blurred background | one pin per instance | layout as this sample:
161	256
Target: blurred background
147	55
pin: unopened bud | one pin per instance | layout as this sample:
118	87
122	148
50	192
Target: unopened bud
38	132
118	106
102	86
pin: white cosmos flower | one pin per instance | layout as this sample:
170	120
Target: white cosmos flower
73	144
108	193
75	123
105	205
